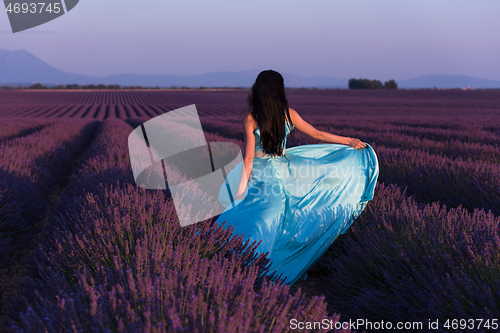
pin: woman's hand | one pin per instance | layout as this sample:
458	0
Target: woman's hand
356	143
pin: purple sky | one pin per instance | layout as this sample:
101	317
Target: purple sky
335	38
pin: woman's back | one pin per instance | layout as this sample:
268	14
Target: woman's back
258	142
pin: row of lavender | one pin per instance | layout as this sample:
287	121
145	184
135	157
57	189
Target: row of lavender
450	162
454	164
409	262
36	158
470	141
103	111
114	258
9	98
318	101
11	128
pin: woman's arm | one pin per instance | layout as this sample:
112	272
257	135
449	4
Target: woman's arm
308	129
249	125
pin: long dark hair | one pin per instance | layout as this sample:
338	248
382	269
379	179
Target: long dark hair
268	106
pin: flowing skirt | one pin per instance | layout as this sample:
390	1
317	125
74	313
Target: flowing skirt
297	204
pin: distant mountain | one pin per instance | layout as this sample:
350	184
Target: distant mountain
23	68
448	81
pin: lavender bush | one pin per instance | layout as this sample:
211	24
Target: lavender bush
30	169
464	134
22	211
46	157
455	149
225	128
454	140
407	261
437	178
11	128
106	161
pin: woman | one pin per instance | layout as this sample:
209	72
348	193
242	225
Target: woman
295	201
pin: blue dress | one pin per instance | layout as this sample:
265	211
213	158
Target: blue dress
298	203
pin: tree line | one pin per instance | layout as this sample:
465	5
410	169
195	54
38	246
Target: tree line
353	84
371	84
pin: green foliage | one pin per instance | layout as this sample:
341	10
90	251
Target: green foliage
37	86
390	85
371	84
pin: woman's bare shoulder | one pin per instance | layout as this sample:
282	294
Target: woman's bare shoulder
293	114
250	119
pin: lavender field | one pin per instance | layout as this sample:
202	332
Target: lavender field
84	250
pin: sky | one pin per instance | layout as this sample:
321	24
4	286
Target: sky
374	39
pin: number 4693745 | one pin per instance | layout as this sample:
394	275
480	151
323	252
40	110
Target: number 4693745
33	8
